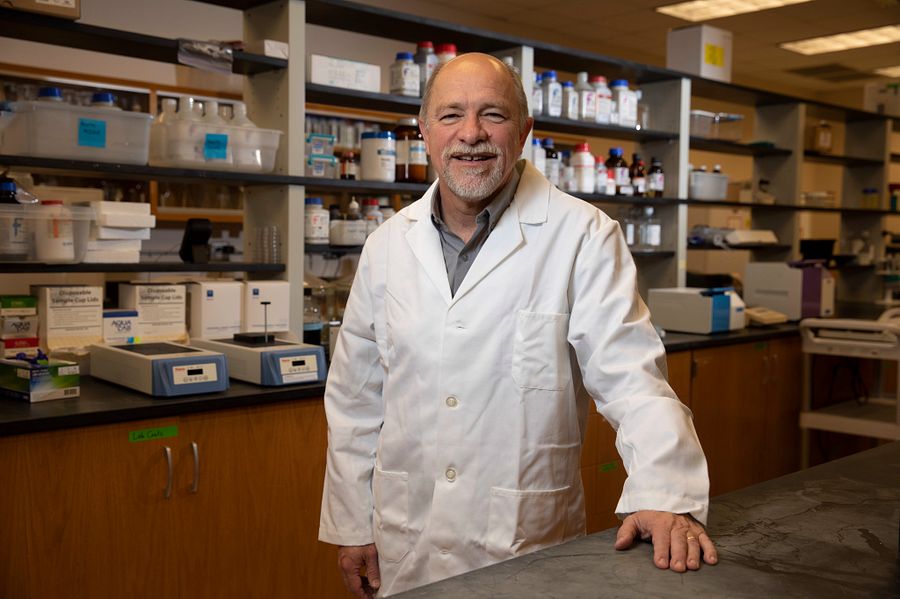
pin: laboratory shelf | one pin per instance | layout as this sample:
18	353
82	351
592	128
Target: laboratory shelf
354	186
62	32
785	207
731	147
596	198
31	267
652	253
110	170
814	156
332	250
875	418
351	98
561	125
895	157
766	247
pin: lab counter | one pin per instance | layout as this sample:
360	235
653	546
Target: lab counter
105	403
827	531
675	342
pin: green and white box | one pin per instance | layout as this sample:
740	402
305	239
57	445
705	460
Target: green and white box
24	381
18	305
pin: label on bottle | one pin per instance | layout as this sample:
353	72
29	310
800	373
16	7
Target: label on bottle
92	133
554	100
604	109
587	105
402	151
13	238
417	152
349	170
570	110
317	226
405	79
621	175
640	185
629	233
537	101
652	235
215	146
657	182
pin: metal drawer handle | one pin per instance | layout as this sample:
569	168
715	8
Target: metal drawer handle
195	486
167	492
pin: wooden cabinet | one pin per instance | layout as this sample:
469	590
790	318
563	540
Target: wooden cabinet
746	404
84	512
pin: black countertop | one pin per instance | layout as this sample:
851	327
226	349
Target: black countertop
675	342
829	531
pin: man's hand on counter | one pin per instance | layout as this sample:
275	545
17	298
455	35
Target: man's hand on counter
678	539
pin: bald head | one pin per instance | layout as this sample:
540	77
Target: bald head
475	66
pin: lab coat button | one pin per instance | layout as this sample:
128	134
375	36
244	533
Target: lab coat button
450	474
452	402
445	551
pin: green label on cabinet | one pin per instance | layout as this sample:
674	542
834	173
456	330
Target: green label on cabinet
148	434
608	467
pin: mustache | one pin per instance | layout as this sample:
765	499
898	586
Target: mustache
482	147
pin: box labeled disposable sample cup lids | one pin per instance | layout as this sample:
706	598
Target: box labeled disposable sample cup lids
160	307
41	380
278	294
70	316
214	309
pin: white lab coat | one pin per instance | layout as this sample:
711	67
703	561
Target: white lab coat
455	423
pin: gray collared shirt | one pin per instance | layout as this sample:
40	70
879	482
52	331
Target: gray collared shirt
458	255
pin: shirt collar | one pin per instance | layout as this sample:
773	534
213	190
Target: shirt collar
492	211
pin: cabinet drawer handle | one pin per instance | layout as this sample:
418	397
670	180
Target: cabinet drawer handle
195	486
167	492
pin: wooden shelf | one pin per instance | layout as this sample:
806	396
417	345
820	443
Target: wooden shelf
895	157
730	147
764	247
27	267
813	156
61	32
110	170
350	98
652	254
785	207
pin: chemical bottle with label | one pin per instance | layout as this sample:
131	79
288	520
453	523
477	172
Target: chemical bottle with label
603	100
405	75
412	159
638	175
13	231
349	166
602	179
317	225
372	215
587	98
445	53
537	95
619	168
628	224
656	179
570	101
552	165
822	138
585	170
650	230
553	100
626	103
538	155
427	61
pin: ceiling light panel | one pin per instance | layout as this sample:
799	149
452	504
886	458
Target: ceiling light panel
845	41
704	10
893	72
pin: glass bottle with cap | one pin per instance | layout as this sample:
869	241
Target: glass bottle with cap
412	158
427	61
405	75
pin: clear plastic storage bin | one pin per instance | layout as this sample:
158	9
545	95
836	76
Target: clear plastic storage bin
54	233
717	125
195	144
708	186
51	130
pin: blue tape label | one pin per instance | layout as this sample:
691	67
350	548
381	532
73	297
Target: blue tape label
92	133
215	147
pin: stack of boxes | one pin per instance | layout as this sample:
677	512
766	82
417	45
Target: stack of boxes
117	233
19	323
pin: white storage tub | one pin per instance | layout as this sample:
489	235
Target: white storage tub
56	130
54	233
717	125
195	144
707	186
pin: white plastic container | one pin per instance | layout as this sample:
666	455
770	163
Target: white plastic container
587	98
603	100
378	160
318	165
585	169
537	95
538	155
405	75
347	232
708	186
570	101
56	233
57	130
317	222
553	100
626	103
195	144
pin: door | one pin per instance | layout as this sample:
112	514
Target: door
82	513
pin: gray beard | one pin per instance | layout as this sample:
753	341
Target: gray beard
478	186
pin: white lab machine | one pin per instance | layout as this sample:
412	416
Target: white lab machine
696	309
161	369
803	289
264	359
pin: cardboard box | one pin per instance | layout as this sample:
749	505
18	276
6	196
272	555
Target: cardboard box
18	305
121	327
883	98
24	381
278	294
70	316
214	309
160	307
349	74
272	48
18	327
66	9
700	50
13	347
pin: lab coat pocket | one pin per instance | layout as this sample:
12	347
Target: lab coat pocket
520	522
391	493
540	354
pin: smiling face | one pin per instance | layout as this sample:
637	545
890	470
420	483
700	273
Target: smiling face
473	127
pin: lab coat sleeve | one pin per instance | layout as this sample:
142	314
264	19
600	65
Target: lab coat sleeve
623	366
355	412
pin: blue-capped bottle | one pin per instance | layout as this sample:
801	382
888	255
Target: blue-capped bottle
537	95
49	94
553	100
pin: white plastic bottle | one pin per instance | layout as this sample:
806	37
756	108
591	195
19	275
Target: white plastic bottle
604	100
587	99
427	61
600	176
239	116
537	96
553	100
218	142
585	170
372	215
405	75
650	231
539	156
626	103
553	165
445	52
49	94
570	101
185	137
317	222
104	100
158	130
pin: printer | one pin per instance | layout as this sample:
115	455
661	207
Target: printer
696	309
803	289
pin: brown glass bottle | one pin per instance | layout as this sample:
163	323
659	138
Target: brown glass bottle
412	160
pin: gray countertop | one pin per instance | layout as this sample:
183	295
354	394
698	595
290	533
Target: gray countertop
829	531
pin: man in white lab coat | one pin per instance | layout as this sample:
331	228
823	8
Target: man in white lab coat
482	320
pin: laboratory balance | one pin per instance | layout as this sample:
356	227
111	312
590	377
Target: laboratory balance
161	369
